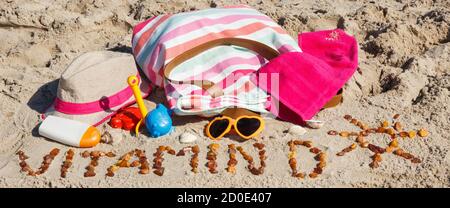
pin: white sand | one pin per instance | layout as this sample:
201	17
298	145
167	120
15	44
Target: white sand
404	60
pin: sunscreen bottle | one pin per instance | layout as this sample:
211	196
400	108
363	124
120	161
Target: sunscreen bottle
70	132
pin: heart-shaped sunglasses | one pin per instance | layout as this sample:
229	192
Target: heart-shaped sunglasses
243	122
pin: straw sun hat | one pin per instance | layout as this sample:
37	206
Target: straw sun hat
94	86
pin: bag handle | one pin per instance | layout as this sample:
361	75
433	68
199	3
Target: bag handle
215	91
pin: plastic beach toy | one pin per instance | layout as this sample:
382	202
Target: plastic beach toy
126	118
158	121
70	132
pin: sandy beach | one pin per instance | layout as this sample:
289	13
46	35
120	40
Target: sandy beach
404	65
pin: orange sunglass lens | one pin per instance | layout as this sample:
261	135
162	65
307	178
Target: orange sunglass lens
217	127
248	126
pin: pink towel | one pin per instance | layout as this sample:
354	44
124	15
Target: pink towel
308	80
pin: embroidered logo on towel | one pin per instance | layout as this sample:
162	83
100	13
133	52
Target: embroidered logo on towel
333	36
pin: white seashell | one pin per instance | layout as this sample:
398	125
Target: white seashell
297	130
113	137
315	124
106	138
187	138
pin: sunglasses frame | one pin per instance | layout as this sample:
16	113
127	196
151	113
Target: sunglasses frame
233	123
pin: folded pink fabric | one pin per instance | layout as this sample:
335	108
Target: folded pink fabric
335	47
308	80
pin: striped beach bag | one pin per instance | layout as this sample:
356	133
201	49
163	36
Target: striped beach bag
203	59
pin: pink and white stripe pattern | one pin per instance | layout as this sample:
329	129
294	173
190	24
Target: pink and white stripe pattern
158	40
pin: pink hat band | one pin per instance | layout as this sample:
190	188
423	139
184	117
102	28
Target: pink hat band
104	104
